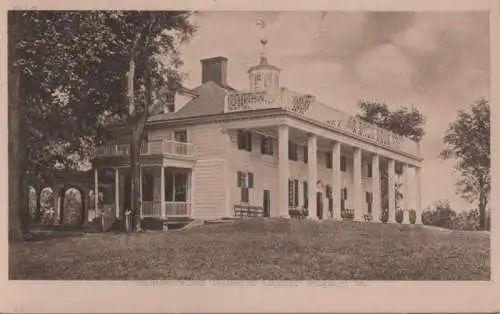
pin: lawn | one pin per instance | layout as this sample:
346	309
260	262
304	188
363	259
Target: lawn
260	249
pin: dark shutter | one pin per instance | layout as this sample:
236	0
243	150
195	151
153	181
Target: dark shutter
263	144
244	195
306	155
250	180
290	192
296	192
304	193
240	174
342	163
328	191
329	160
369	170
241	141
271	146
249	143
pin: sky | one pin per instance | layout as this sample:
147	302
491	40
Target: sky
436	61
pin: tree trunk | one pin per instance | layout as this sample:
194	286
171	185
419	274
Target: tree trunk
38	210
482	211
18	190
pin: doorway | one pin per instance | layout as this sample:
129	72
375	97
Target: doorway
266	203
319	206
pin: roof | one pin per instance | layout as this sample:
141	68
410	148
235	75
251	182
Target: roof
263	64
209	100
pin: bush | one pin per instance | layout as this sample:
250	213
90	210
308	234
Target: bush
399	216
298	213
412	216
384	216
347	214
367	217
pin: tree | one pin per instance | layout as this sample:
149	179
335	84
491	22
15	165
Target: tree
46	112
404	121
144	51
67	81
467	140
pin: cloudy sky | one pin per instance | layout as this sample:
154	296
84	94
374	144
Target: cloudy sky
437	61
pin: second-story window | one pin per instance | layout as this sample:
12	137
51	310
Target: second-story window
180	136
245	140
292	151
329	160
266	145
306	154
343	162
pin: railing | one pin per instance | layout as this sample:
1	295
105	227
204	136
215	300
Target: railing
172	209
151	209
148	148
308	107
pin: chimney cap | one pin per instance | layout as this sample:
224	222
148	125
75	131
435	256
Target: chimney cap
214	59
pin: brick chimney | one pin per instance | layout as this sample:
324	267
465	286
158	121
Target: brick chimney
214	69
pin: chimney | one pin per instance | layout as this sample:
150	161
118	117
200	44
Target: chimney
214	69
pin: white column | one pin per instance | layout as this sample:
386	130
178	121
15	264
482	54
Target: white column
336	180
117	192
96	191
312	175
406	194
358	186
392	191
376	205
162	193
418	196
140	190
283	170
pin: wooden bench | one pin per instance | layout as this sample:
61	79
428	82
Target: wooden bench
245	211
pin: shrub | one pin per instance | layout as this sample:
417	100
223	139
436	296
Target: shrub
347	214
367	217
399	216
384	216
412	216
298	213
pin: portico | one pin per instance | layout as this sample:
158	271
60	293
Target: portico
353	190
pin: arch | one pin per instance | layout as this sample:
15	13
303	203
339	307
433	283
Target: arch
81	198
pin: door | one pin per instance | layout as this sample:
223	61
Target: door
319	202
267	203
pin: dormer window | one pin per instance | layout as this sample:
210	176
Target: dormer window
169	102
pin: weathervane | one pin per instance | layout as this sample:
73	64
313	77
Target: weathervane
263	41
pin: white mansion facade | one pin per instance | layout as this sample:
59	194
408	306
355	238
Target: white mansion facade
217	152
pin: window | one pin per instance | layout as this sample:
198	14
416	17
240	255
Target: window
292	151
306	154
369	200
169	102
245	181
244	195
245	140
329	160
147	187
266	145
344	193
369	170
343	163
329	196
181	136
293	193
304	193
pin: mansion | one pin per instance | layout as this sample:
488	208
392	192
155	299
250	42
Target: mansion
216	152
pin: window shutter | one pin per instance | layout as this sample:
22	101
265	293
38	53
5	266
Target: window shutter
290	192
271	146
370	169
239	179
250	180
367	197
296	192
262	144
249	139
342	163
240	140
244	195
306	155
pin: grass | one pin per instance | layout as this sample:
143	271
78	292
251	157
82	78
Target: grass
260	249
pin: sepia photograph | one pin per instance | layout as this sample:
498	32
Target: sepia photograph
254	145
